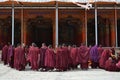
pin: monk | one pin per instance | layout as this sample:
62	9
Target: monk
65	58
83	57
11	56
61	58
42	56
4	54
19	58
104	57
33	56
94	56
58	58
110	64
49	58
73	56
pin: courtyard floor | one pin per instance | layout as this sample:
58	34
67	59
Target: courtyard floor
6	73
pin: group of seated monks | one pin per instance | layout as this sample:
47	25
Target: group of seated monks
62	58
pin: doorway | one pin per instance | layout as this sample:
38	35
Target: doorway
91	32
6	30
39	30
118	32
70	31
103	32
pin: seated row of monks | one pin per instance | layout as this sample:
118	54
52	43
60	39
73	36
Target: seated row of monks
60	59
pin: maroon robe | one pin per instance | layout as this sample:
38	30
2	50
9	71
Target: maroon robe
110	65
83	57
61	59
4	54
65	58
33	57
42	57
49	59
10	56
73	55
104	57
19	58
16	59
58	58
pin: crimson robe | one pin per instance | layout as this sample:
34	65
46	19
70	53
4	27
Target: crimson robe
83	57
49	58
16	59
34	53
73	55
65	58
58	58
110	65
104	57
4	54
61	59
10	56
19	58
42	57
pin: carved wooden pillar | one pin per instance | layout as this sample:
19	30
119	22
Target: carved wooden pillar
83	34
84	28
25	31
112	34
22	26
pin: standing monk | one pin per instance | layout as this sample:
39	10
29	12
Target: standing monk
11	56
94	57
104	57
65	58
42	56
58	58
49	58
4	54
19	58
61	58
33	57
83	56
73	55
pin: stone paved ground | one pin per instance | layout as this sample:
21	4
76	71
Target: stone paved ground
7	73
